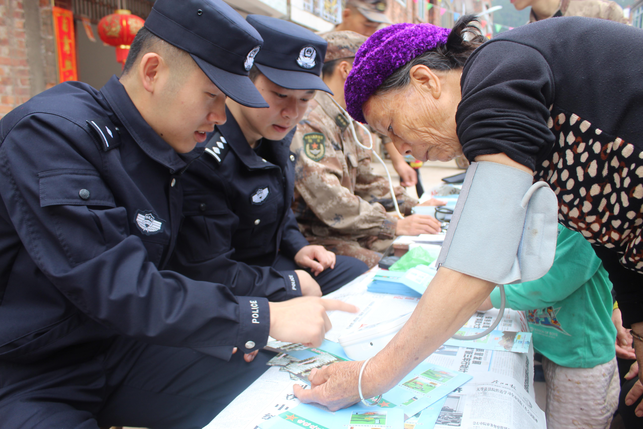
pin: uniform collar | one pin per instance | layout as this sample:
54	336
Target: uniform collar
339	116
146	138
327	105
239	145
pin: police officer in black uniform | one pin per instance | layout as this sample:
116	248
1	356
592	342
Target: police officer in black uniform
239	229
93	330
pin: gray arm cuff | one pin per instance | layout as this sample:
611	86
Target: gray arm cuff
504	226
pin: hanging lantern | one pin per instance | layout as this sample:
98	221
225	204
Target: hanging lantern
119	30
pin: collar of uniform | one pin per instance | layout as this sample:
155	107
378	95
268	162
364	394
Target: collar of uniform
330	108
239	145
146	138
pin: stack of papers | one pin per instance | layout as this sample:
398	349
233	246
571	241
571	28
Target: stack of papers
411	283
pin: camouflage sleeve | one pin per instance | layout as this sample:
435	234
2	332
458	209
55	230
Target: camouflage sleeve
615	13
375	188
319	179
594	9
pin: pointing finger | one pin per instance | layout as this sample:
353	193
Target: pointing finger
334	304
327	325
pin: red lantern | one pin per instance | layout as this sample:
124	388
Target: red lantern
119	30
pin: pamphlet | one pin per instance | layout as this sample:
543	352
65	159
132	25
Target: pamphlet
355	417
429	416
410	283
423	386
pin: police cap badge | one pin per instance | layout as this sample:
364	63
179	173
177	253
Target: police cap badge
291	56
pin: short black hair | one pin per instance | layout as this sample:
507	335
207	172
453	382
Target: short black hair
254	73
329	67
146	41
141	43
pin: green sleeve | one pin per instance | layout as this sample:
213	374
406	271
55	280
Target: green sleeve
574	264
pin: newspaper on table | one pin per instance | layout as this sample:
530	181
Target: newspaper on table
501	392
511	341
500	395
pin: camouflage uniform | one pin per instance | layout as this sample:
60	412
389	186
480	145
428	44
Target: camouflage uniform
589	8
340	203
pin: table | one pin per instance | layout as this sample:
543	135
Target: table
500	395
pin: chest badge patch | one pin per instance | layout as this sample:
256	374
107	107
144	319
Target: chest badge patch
307	57
149	224
260	195
314	147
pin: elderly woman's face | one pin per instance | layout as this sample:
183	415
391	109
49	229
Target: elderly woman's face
420	117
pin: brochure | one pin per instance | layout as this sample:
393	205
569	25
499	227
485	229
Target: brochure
423	386
410	283
429	416
355	417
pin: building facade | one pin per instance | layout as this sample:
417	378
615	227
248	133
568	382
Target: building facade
39	50
636	14
30	51
27	51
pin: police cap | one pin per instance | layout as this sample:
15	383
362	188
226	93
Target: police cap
219	40
291	56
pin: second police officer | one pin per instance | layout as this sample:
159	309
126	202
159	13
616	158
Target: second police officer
239	228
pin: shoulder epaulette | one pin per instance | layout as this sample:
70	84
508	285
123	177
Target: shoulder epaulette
106	132
217	147
341	121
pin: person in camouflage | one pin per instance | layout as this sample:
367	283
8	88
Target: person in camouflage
365	17
543	9
340	203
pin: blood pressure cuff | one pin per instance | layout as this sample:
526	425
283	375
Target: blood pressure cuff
504	226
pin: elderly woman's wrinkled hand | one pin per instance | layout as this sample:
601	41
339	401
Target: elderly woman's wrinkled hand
333	386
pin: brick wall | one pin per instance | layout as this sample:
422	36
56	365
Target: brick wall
408	12
400	13
27	51
46	45
14	70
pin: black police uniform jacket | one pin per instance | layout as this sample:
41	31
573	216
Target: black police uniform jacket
90	206
238	215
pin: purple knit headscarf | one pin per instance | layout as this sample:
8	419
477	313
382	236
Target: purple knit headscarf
384	52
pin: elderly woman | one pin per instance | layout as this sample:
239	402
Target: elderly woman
558	102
